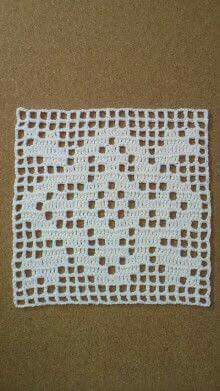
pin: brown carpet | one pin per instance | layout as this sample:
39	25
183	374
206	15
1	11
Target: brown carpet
74	54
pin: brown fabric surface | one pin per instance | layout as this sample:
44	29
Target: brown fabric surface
74	54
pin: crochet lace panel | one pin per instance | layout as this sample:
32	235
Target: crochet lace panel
111	206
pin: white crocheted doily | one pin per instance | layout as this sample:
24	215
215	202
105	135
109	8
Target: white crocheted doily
111	206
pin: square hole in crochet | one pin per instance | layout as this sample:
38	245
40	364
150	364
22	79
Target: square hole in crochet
111	206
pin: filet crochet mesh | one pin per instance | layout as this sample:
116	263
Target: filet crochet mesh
111	206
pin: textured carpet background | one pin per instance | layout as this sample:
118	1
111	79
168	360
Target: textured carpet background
75	54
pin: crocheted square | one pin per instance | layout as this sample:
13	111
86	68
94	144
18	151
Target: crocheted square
111	206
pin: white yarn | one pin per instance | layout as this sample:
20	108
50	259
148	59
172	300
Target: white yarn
111	206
